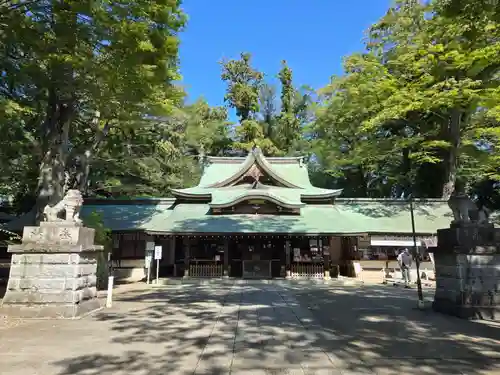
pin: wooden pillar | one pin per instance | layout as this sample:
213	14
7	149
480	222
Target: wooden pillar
326	258
171	254
287	259
226	257
347	244
187	245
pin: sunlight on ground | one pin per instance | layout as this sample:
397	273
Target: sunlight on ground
376	318
255	329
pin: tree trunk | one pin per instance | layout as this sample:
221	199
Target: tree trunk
451	158
408	183
60	110
83	171
52	169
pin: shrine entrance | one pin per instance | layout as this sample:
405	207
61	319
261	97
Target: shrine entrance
253	256
257	257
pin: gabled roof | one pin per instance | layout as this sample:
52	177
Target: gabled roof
254	157
345	216
220	173
226	197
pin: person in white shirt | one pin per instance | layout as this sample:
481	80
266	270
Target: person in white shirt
404	261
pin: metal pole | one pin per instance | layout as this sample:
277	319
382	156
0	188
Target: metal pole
417	256
149	271
157	270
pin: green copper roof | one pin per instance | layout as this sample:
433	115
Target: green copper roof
193	218
255	157
223	172
219	169
129	217
224	197
344	217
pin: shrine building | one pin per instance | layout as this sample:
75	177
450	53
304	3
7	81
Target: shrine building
260	217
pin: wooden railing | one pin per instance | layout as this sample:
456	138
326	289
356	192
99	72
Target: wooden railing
206	270
307	270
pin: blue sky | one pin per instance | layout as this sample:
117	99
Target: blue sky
312	36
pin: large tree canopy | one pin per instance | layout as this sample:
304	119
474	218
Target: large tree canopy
89	100
420	108
73	72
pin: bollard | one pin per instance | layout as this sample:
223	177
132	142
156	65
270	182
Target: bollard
109	296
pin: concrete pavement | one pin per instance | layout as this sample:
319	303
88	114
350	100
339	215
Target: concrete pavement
254	328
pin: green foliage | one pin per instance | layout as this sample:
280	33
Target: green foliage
73	70
243	85
268	110
289	135
422	102
88	101
160	153
249	135
103	238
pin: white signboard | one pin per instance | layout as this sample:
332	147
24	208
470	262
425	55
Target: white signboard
148	259
158	251
150	246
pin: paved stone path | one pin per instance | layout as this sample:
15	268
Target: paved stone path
254	328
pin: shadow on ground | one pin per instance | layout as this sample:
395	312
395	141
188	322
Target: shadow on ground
314	329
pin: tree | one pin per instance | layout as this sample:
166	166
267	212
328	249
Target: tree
207	129
243	85
149	157
288	124
418	110
81	68
361	161
268	110
249	134
445	68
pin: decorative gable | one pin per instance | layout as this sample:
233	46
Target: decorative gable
231	177
254	168
255	175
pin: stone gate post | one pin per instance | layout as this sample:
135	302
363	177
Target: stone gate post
467	263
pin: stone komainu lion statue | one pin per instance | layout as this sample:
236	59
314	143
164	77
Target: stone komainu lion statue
70	205
466	211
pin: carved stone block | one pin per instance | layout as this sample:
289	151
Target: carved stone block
55	233
53	273
467	261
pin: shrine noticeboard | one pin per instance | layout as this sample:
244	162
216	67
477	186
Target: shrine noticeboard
158	252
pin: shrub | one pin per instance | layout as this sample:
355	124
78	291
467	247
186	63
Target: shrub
102	237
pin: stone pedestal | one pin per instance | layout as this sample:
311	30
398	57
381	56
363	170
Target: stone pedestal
467	262
53	272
